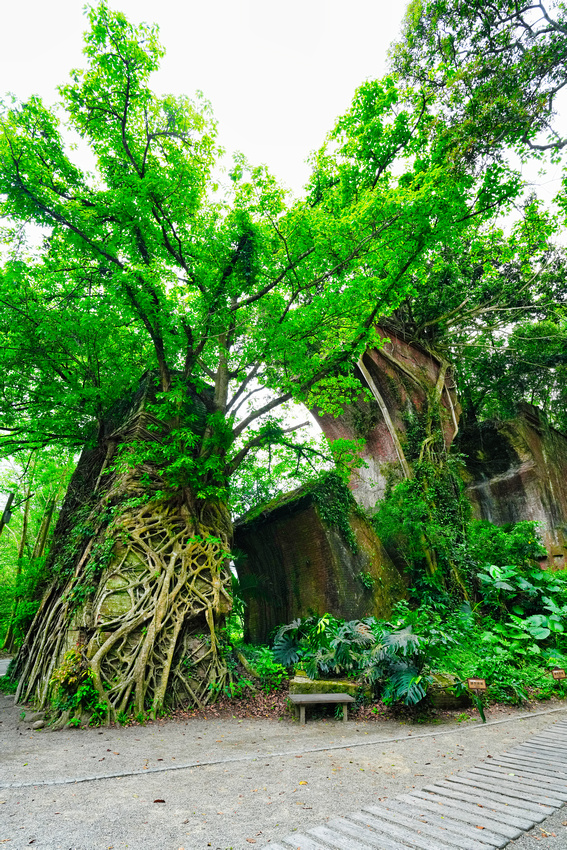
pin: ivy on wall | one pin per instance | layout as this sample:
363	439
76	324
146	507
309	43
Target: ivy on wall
335	504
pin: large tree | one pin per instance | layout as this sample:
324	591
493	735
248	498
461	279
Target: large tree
161	322
498	68
497	72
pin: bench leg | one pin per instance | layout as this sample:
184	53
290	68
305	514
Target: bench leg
302	715
345	712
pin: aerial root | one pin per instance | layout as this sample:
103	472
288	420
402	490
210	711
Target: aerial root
150	631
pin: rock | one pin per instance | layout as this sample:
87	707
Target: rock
304	685
38	715
440	692
39	724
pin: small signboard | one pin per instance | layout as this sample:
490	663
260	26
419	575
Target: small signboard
476	684
558	673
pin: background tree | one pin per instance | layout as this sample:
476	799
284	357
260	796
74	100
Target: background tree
497	69
496	72
494	306
158	305
38	479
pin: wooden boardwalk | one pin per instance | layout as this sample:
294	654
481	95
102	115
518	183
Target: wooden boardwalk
482	808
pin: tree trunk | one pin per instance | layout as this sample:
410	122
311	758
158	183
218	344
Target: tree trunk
41	539
140	587
10	638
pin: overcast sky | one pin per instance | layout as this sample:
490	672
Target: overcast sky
277	74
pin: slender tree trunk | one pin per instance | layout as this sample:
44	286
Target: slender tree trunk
9	640
41	539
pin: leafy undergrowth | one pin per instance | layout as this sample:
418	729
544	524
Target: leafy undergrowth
7	686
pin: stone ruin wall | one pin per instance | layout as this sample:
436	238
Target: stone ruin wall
294	565
517	470
400	374
302	566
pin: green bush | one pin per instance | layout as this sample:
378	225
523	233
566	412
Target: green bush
7	685
517	544
271	673
394	658
423	522
524	591
74	690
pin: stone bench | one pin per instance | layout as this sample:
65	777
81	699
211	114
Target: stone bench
302	700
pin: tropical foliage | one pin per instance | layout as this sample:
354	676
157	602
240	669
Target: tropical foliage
163	317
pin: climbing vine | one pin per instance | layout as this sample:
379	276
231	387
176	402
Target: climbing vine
425	519
74	693
336	504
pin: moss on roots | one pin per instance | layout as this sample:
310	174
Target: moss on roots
148	625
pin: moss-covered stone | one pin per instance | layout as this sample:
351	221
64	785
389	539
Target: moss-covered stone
115	605
303	685
441	694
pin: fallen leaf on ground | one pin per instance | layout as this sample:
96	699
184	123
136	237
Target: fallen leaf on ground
251	840
303	782
159	801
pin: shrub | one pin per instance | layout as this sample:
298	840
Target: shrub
395	658
75	691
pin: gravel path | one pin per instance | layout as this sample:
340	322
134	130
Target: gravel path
251	781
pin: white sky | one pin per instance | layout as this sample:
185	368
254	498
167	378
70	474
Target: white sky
277	74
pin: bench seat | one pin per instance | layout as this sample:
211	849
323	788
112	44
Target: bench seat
301	700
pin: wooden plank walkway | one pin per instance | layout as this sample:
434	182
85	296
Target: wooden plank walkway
482	808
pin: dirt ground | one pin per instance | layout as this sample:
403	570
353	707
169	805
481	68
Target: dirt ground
227	782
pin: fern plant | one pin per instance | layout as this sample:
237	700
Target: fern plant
393	660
